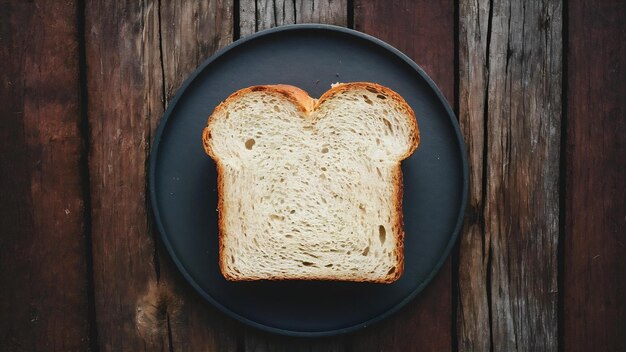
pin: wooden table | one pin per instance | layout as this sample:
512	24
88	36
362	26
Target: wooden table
538	87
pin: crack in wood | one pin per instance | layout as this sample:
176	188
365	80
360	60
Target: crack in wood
487	249
86	177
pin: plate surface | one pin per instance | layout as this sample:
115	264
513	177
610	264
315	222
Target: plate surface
183	179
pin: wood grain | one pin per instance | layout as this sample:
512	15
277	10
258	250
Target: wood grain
594	307
413	26
43	271
191	31
510	110
473	312
256	15
256	341
124	85
137	55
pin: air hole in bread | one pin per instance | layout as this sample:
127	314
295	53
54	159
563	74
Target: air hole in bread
324	150
391	271
373	90
232	259
288	236
366	251
367	100
323	168
277	217
307	263
380	96
276	108
292	211
382	234
362	207
250	143
388	124
328	265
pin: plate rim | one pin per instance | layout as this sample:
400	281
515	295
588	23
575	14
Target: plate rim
165	239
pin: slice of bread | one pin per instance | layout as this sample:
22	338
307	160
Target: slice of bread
311	189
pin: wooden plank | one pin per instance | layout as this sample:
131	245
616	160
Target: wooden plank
137	54
256	15
124	95
510	111
191	31
333	12
413	27
256	341
263	14
44	295
595	197
473	312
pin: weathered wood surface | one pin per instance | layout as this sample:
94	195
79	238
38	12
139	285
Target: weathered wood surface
191	31
510	64
124	85
413	26
256	15
137	55
43	253
594	268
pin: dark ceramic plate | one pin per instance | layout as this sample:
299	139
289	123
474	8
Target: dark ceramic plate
183	179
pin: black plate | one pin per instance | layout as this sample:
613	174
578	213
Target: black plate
183	178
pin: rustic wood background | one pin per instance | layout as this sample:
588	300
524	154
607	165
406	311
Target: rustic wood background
538	87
